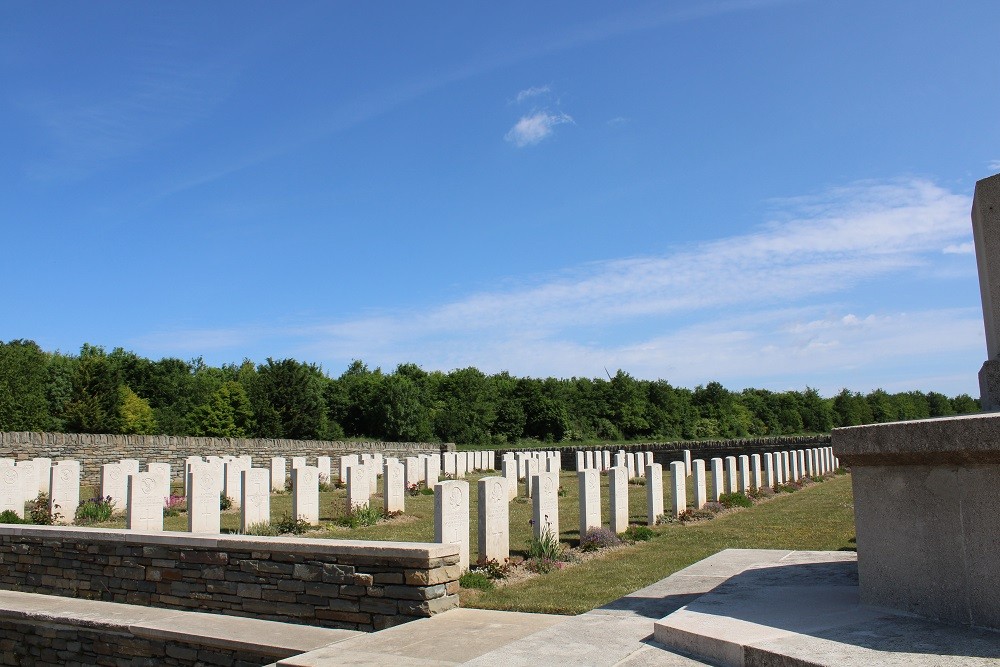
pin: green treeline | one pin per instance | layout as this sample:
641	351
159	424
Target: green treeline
121	392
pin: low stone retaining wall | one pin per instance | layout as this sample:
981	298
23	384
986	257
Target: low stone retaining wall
347	584
95	449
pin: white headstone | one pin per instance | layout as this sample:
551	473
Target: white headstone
768	462
718	480
203	499
114	484
130	466
451	517
590	500
698	479
432	471
358	487
732	485
687	461
545	504
298	462
255	505
323	465
461	465
630	464
755	471
394	496
678	485
509	467
305	494
29	479
64	481
345	462
161	471
42	467
232	481
618	497
744	480
188	462
530	470
145	504
606	463
412	467
278	473
449	463
654	492
494	521
11	490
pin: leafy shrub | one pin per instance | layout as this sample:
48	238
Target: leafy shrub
762	492
225	502
413	489
94	510
494	569
637	481
713	507
174	505
10	516
638	534
263	528
691	514
546	546
287	525
366	515
38	511
841	471
543	565
476	579
426	492
599	538
561	492
735	499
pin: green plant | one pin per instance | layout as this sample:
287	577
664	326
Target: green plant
263	528
476	579
174	505
494	569
545	546
366	515
735	499
287	524
561	492
599	538
94	510
38	511
426	492
225	502
638	534
10	516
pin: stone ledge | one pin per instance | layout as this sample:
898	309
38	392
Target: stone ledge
965	440
279	640
298	545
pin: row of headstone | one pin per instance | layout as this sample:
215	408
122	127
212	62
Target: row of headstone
744	473
23	481
602	461
457	464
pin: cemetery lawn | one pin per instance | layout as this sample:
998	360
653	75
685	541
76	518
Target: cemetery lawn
818	517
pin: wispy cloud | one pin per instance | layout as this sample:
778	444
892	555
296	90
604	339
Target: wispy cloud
529	93
994	165
535	127
967	248
773	307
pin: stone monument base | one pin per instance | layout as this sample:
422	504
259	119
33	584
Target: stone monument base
803	608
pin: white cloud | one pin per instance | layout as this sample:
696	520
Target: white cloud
762	308
534	91
535	127
618	120
994	165
967	248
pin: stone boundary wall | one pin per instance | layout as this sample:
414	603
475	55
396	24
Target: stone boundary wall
348	584
29	642
665	452
93	450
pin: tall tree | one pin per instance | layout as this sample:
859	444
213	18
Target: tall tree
24	405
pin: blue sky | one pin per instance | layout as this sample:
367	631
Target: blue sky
764	193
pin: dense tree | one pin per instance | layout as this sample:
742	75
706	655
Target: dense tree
24	404
134	412
227	414
94	405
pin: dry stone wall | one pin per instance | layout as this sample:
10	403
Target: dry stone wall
344	584
93	450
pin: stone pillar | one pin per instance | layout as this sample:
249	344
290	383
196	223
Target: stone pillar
145	504
700	489
494	521
451	517
654	493
255	505
744	480
64	482
618	497
590	500
358	487
204	490
278	473
305	494
678	487
718	480
731	483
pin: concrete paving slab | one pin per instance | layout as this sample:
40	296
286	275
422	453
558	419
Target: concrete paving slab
451	638
803	608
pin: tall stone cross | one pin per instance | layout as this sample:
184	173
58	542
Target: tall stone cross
986	232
